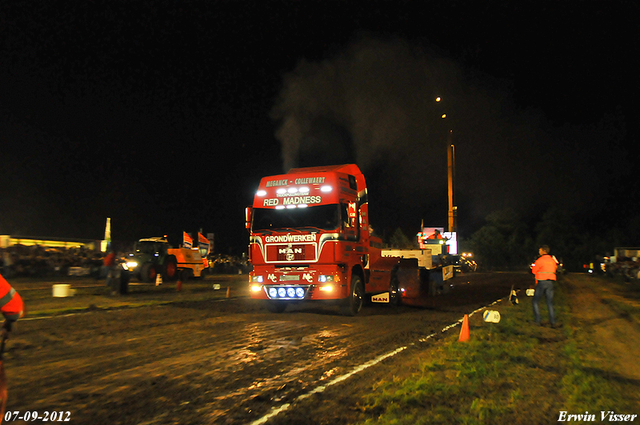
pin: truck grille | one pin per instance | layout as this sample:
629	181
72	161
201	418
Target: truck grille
290	253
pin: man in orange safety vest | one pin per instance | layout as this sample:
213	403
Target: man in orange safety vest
544	270
10	304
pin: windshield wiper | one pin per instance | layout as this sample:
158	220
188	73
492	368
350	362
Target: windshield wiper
286	228
319	229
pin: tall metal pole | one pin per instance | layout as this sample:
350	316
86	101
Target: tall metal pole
451	161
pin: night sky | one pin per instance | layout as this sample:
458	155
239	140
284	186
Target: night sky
164	115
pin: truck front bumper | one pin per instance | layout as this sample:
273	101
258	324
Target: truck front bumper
297	284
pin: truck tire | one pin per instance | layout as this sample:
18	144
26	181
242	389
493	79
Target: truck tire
276	306
171	269
352	305
186	274
148	273
394	291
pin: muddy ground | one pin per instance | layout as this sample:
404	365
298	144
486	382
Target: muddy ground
196	358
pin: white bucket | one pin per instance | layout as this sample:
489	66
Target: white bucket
62	290
491	316
530	292
216	286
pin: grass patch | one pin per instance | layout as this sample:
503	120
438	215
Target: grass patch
510	372
588	385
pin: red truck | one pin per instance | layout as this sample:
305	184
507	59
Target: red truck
310	239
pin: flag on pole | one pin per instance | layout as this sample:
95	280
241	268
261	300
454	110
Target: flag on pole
203	245
187	241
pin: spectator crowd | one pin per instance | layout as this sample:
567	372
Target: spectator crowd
39	261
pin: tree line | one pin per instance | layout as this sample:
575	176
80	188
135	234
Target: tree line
507	241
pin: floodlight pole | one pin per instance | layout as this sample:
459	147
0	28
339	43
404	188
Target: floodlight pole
451	161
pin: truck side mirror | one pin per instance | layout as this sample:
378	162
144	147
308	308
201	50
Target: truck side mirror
248	215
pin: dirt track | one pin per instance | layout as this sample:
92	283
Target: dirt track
213	361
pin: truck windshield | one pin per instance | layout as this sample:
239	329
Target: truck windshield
324	217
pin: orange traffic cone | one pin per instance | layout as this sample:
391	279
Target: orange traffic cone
464	332
228	291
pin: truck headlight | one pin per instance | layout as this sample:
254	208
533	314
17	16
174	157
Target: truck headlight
131	265
325	278
258	279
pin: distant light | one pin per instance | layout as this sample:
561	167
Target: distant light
261	193
444	116
326	189
438	99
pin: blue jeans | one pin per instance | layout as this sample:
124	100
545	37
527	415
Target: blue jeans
544	287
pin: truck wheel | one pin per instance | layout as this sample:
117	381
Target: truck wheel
352	305
148	273
394	293
171	269
276	306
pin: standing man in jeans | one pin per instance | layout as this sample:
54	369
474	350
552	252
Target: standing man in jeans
544	270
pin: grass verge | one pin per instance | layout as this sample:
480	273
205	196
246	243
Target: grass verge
509	372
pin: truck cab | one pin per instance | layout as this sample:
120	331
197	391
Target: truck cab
310	239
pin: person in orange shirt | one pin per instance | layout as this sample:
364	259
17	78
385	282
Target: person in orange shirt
544	270
11	306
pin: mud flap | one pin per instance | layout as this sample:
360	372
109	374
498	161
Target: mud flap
380	298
